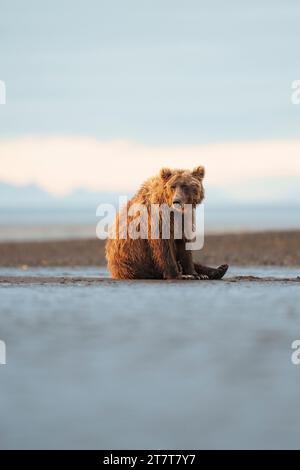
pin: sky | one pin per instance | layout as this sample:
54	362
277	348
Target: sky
102	94
122	165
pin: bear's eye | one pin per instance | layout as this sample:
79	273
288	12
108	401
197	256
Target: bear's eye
173	186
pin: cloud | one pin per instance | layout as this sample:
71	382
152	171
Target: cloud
60	164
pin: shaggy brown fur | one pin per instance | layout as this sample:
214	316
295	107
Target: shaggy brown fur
160	258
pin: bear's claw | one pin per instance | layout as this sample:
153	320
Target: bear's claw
202	277
194	277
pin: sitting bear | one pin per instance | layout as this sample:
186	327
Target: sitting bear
147	257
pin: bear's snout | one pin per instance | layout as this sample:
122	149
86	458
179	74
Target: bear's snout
176	201
179	197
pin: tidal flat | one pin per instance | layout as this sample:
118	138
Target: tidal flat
95	363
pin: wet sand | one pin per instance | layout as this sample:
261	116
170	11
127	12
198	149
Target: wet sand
244	249
97	363
89	281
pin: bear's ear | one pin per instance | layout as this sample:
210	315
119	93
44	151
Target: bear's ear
165	174
199	172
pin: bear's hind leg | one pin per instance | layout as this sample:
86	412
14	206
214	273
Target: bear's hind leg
212	273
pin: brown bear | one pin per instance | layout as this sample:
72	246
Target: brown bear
148	257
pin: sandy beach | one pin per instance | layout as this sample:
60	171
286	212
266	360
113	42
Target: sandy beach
244	249
150	364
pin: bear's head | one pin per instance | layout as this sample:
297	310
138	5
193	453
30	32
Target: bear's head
183	186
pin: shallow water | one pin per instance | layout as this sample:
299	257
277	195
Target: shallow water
150	365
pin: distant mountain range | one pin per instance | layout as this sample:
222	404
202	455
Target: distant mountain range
32	196
282	191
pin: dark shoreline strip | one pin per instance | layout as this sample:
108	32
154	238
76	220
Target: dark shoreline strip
88	281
